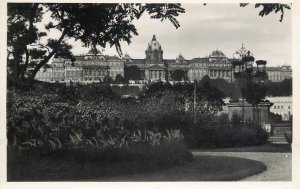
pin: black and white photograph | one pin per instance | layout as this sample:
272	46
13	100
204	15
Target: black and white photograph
148	92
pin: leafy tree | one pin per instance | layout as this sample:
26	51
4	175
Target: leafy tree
284	88
205	79
92	24
268	8
178	75
157	88
21	33
231	90
209	99
254	93
132	73
275	118
119	79
107	80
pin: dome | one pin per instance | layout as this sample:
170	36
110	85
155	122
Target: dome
154	44
94	51
217	54
126	56
180	57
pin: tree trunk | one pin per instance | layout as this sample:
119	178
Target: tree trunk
257	113
46	59
39	66
15	71
22	74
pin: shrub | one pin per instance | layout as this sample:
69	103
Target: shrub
220	136
89	162
46	127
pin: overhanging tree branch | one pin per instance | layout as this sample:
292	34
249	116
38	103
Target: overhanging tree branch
47	58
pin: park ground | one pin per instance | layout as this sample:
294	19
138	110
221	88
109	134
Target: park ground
279	165
228	164
267	162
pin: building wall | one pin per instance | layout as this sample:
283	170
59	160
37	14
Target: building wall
116	67
197	71
89	68
278	74
94	67
45	75
250	112
73	73
282	106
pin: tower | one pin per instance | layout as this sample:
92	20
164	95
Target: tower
154	53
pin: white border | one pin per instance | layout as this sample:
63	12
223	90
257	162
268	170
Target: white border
294	184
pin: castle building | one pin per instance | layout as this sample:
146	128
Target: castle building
280	73
94	66
154	67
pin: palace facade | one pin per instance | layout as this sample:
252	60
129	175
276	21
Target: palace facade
94	66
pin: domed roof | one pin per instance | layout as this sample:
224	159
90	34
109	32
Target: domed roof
217	53
180	57
126	56
154	44
94	51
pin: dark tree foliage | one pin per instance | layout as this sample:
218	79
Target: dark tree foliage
212	94
92	24
205	92
268	8
21	32
107	80
157	87
275	118
119	79
132	73
205	79
178	75
231	90
254	92
284	88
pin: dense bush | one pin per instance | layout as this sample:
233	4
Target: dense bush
92	133
65	118
214	135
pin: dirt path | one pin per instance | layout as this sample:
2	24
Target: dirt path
279	165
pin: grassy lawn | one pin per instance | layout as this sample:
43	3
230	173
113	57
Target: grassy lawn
280	148
203	168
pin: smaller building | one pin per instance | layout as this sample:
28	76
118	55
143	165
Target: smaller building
282	106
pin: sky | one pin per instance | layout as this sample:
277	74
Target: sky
214	26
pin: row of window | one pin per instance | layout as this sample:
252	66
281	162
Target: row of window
198	74
115	63
197	70
216	73
281	107
73	73
210	65
94	58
